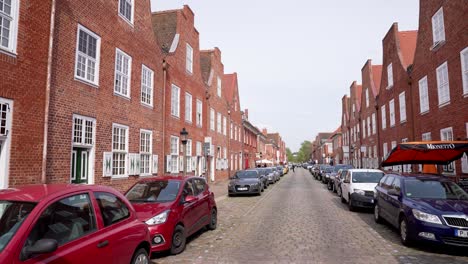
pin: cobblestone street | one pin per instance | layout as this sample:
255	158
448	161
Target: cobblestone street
298	220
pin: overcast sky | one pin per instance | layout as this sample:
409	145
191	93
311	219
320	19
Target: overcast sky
296	59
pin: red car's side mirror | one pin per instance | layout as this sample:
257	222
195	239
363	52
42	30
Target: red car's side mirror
191	199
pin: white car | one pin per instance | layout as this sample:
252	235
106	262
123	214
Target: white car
358	187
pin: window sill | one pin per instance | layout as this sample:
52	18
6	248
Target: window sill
8	52
424	113
465	95
94	85
147	105
126	20
389	87
444	104
175	117
188	121
122	96
436	46
403	122
119	177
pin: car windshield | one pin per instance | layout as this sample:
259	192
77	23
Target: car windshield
154	191
12	214
327	170
268	170
367	177
340	167
433	189
246	174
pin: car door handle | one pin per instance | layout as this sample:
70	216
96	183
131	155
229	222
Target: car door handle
103	244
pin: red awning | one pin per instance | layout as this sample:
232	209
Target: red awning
426	152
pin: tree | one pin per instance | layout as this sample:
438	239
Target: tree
290	156
304	152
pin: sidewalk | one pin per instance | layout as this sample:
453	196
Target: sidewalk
219	188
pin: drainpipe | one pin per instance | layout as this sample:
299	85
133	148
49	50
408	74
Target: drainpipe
377	124
163	112
47	95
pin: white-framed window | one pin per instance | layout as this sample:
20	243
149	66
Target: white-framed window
147	76
385	150
231	131
188	155
199	117
174	156
354	109
9	16
146	151
188	107
198	148
119	150
235	133
464	69
383	111
390	76
367	97
369	126
224	152
189	58
374	124
426	136
464	159
212	119
123	71
6	114
423	95
239	131
443	90
175	101
391	108
224	126
218	87
446	134
83	131
126	10
402	103
438	31
88	46
363	123
219	123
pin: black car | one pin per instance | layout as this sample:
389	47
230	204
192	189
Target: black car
246	182
263	176
321	171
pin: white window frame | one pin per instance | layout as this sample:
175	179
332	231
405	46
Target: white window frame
121	73
120	151
464	159
464	70
188	155
188	58
385	150
389	76
438	28
369	131
13	17
174	154
374	124
450	168
443	86
199	116
218	123
188	107
198	148
218	87
5	137
87	59
363	123
83	131
426	136
402	104
231	131
175	101
224	126
132	11
383	111
391	108
423	96
147	86
367	97
212	119
146	152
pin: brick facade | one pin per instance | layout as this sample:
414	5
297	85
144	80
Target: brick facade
235	127
345	129
354	126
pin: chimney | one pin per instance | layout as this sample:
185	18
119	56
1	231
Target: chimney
246	113
265	131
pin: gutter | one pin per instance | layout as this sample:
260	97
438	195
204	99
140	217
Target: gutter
47	99
165	67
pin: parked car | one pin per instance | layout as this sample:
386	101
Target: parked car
423	208
285	169
357	189
338	180
321	171
246	182
69	223
263	177
326	173
173	208
280	170
276	172
331	184
272	177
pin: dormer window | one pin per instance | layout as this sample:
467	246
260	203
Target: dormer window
126	10
438	31
390	76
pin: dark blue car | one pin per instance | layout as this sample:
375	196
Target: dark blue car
423	207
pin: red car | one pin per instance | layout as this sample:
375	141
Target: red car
173	207
66	223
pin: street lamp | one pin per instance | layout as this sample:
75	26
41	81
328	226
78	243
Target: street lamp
183	138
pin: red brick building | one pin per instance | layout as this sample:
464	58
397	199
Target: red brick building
354	124
105	110
439	76
217	107
394	99
337	146
235	120
24	90
250	135
345	129
184	92
371	75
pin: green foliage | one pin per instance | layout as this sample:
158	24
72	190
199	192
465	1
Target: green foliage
302	155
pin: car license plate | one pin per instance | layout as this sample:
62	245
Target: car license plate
242	189
461	233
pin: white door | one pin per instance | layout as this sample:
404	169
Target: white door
212	168
3	178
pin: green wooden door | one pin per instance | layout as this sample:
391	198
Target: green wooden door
80	163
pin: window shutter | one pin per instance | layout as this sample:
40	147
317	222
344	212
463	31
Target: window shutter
131	169
154	161
194	163
181	163
107	164
168	163
464	161
137	164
